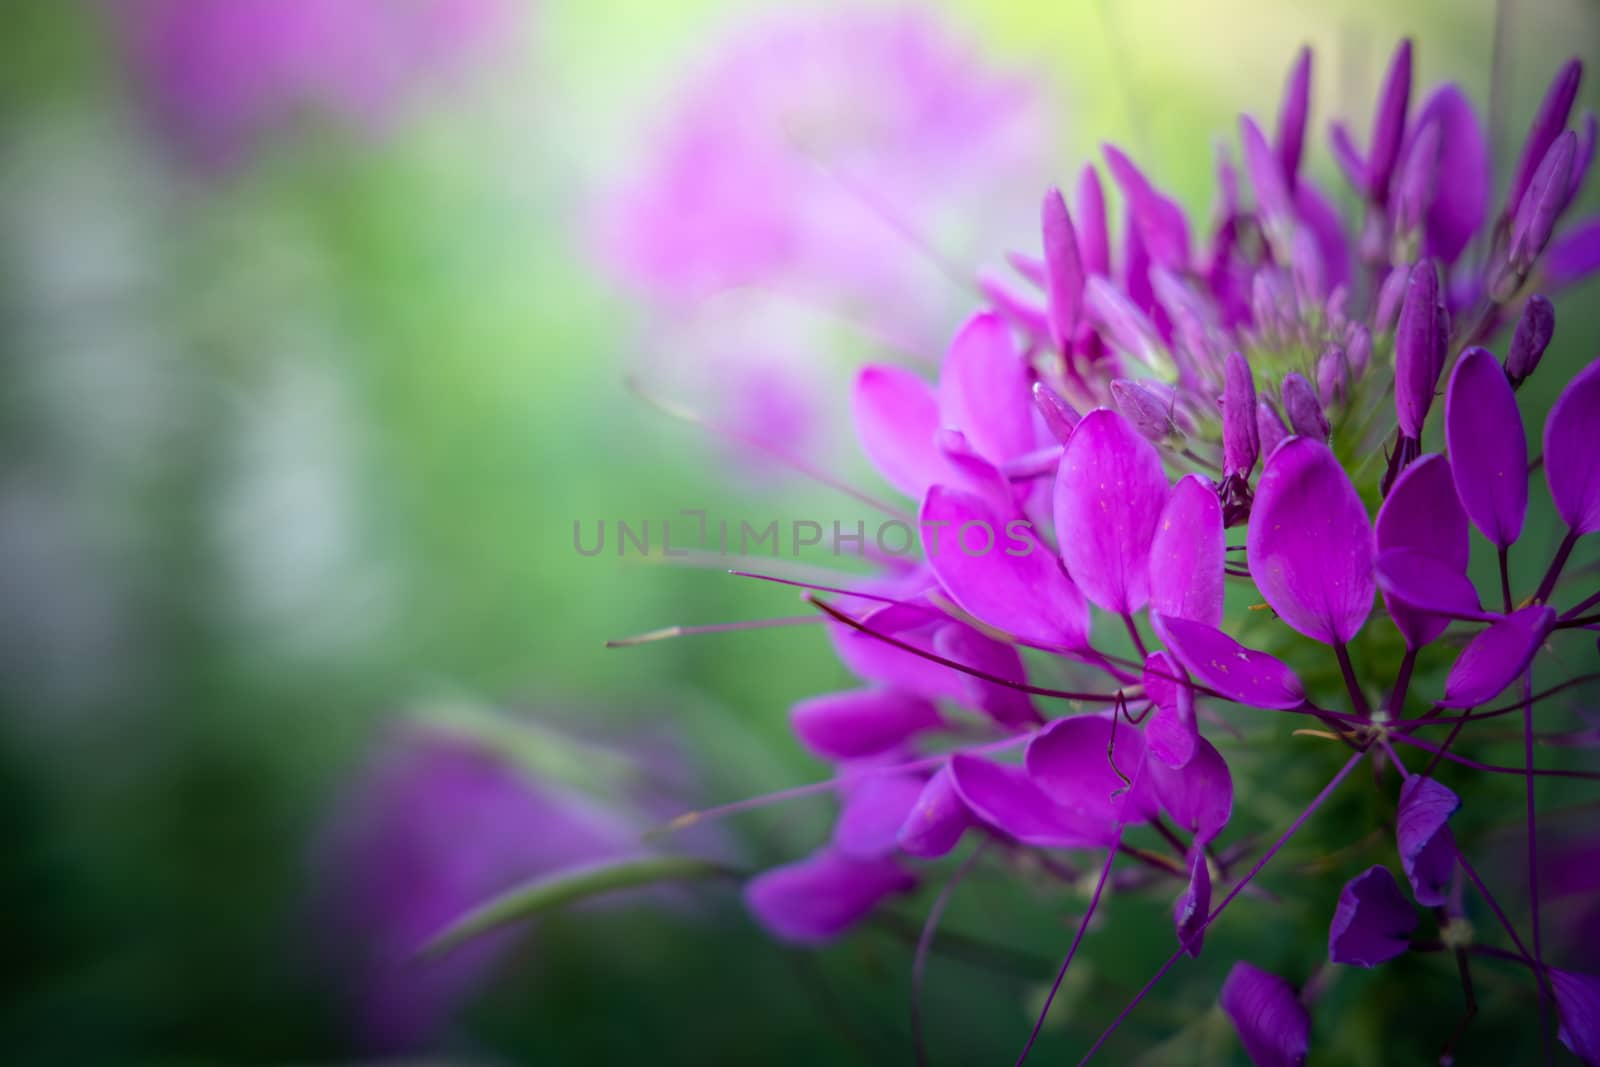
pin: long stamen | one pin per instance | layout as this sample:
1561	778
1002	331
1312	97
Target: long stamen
668	633
765	800
688	415
934	657
919	962
1495	768
1077	939
1265	858
1533	852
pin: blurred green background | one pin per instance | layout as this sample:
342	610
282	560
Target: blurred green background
295	448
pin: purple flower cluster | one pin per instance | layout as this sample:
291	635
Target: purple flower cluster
1135	405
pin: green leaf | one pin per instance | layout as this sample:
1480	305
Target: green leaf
567	887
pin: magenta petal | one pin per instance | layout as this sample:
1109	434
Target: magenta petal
1272	1023
1419	349
1199	795
1427	588
1110	490
1220	663
1309	543
937	819
823	895
1426	852
964	468
1488	452
1007	799
1171	732
1186	555
1004	704
1069	761
874	810
1422	513
1374	921
1461	198
1016	585
1194	906
1571	461
985	390
1578	1002
862	722
1497	656
896	415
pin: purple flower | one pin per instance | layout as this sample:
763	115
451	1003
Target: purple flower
397	868
1578	1001
222	75
1118	576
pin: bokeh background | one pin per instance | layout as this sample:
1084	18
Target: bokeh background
317	335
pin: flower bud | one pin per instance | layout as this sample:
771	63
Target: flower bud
1357	350
1389	124
1545	128
1059	416
1270	428
1333	382
1408	207
1148	406
1419	349
1241	437
1542	203
1532	337
1304	410
1390	294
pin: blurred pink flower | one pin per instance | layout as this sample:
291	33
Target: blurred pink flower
439	822
831	161
218	76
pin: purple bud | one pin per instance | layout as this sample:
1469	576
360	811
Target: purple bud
1193	907
1241	437
1542	203
1532	337
1358	350
1409	206
1093	243
1292	117
1547	126
1059	416
1273	202
1390	295
1063	269
1305	263
1419	349
1389	124
1333	382
1304	411
1147	405
1270	428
